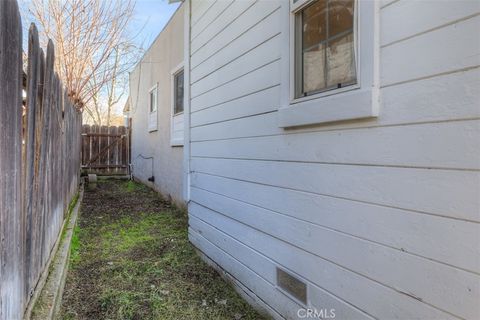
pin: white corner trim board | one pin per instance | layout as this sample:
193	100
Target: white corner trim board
186	101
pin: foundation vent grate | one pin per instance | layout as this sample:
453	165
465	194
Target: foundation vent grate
292	285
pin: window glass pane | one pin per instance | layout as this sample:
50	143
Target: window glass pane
314	24
178	107
340	16
314	69
324	46
153	102
341	61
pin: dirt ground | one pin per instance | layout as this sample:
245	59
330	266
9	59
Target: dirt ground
131	259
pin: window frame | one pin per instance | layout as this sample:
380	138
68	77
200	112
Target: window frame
174	96
301	5
179	142
152	114
356	101
153	89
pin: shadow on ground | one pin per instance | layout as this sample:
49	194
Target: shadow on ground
131	259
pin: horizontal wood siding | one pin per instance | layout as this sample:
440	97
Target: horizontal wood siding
380	217
427	55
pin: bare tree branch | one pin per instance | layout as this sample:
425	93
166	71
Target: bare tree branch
94	51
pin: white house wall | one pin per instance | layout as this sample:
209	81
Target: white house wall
379	217
165	54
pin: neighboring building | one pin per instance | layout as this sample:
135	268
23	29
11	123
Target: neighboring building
155	108
126	113
333	153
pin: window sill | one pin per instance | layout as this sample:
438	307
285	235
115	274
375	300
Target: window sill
351	105
176	143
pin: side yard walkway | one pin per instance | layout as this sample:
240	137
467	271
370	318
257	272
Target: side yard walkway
131	259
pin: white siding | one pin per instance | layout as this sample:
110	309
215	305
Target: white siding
380	217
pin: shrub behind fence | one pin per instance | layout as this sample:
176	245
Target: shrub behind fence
39	161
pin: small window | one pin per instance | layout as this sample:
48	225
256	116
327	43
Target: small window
153	99
333	50
178	92
177	105
324	46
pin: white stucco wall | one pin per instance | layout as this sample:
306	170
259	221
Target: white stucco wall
165	54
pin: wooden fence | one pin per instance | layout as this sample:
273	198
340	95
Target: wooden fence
39	161
105	150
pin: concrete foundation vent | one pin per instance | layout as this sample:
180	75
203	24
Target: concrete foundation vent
292	285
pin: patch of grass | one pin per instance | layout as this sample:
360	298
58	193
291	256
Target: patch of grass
41	304
75	247
70	208
73	203
131	259
119	303
132	186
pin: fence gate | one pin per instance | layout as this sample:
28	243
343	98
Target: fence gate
105	150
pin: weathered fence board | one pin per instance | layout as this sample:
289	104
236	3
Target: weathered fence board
11	253
105	158
39	161
34	107
113	154
105	149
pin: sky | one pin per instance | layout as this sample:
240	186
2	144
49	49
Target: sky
150	18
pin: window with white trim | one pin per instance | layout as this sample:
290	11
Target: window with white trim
152	108
153	99
177	123
178	92
332	51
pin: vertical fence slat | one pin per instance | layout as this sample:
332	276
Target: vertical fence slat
85	144
44	172
103	141
111	131
37	191
119	148
33	72
115	150
11	242
95	144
